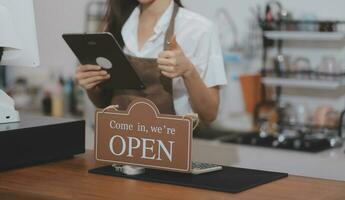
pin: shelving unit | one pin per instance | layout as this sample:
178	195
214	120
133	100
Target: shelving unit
303	83
275	38
304	35
279	37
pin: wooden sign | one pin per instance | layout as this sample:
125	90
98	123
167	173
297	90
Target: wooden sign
141	136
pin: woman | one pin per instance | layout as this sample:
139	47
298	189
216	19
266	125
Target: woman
175	52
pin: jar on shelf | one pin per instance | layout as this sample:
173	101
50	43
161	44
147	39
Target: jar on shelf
329	68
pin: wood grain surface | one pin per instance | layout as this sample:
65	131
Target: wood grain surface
70	179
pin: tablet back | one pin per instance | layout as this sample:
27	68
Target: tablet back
102	49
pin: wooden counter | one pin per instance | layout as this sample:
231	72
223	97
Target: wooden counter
70	180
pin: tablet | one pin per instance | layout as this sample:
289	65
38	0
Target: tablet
102	49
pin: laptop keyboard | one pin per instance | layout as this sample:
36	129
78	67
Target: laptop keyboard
199	165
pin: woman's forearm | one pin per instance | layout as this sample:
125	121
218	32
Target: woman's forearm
174	63
204	100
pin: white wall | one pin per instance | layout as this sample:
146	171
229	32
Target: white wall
240	9
53	18
64	16
57	17
324	10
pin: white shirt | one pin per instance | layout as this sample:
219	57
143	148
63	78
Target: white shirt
198	39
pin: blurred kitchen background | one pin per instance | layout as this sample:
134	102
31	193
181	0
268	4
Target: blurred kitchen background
285	62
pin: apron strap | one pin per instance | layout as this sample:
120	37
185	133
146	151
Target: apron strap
171	29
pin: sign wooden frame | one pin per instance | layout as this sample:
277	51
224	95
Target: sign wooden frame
143	112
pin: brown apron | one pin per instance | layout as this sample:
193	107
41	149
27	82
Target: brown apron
158	87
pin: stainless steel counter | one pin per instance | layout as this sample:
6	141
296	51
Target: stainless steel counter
329	164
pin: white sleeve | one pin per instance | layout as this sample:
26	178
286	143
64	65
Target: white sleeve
208	59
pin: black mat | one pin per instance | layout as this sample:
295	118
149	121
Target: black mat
230	179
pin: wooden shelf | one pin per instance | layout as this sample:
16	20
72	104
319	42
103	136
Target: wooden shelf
299	83
304	35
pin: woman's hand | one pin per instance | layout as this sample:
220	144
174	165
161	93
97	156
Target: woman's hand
173	63
204	100
89	76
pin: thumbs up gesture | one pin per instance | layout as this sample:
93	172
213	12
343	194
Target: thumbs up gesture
173	63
